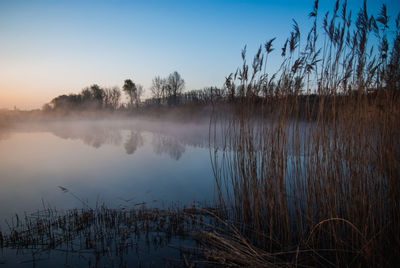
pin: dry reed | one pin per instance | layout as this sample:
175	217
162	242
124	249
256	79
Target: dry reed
310	165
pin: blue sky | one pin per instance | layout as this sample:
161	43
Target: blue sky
48	48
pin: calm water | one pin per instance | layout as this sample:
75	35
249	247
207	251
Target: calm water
120	164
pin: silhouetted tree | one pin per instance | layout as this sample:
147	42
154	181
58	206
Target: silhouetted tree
97	95
112	97
90	97
158	88
46	107
86	95
139	92
131	91
60	102
174	87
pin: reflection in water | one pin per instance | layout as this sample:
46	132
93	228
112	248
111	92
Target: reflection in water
92	135
168	138
170	146
145	161
134	142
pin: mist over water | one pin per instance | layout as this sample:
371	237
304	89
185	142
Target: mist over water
116	163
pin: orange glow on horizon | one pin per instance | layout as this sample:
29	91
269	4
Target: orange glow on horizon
24	94
21	100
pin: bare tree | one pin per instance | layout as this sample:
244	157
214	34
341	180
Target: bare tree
175	86
139	93
112	97
158	88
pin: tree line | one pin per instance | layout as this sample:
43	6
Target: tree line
93	97
165	91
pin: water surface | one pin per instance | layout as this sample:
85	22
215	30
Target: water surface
116	163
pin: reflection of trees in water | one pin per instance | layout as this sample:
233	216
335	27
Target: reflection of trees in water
171	146
94	136
171	141
104	136
134	141
169	138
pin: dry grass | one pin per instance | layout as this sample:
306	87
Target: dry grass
110	237
314	178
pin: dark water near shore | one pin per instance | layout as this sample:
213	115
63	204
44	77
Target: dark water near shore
116	163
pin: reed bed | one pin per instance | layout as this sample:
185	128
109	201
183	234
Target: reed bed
110	237
308	174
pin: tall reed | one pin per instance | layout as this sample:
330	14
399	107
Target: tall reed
310	165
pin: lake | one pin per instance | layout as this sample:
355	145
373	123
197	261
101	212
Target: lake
122	163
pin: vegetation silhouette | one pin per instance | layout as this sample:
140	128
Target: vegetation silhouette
90	98
133	92
165	92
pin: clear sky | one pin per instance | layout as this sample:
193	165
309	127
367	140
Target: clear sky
48	48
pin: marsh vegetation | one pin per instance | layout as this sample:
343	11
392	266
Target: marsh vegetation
306	160
313	179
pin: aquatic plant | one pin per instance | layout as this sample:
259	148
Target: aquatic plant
102	236
310	166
